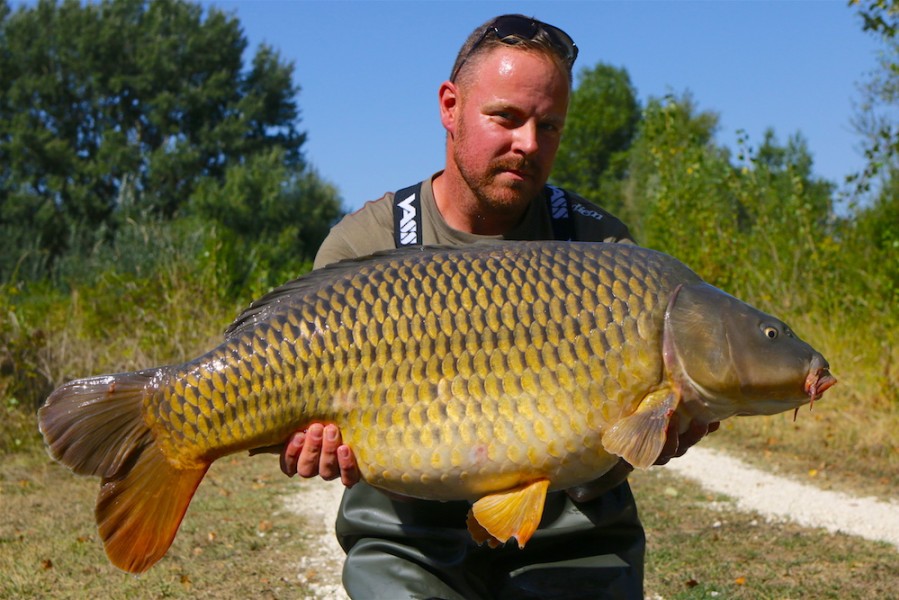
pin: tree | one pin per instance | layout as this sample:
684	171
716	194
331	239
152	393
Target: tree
873	230
677	196
272	220
878	110
877	230
787	172
602	121
122	107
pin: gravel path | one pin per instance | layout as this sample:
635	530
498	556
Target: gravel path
317	502
775	497
779	498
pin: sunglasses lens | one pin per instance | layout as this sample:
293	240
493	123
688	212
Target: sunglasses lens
562	41
511	29
512	26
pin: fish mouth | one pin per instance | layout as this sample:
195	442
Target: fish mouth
818	381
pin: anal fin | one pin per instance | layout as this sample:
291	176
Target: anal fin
138	512
499	517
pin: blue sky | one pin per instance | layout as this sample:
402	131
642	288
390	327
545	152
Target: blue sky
369	71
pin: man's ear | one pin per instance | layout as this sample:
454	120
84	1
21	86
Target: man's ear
449	104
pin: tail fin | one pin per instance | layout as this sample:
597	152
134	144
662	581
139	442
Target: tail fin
95	426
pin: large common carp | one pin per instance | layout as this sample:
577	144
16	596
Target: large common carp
492	373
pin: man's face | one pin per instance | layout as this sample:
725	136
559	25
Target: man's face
508	126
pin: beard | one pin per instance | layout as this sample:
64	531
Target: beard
498	194
495	193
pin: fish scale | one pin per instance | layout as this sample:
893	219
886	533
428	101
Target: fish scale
514	334
491	373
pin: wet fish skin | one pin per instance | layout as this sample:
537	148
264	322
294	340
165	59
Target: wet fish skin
452	373
415	359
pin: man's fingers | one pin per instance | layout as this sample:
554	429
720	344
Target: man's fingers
308	463
319	450
328	466
291	453
349	471
671	442
694	433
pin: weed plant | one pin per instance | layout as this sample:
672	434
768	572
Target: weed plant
158	295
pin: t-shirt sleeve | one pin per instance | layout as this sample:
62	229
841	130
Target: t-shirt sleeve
361	233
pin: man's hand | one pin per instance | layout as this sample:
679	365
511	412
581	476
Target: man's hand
319	451
677	444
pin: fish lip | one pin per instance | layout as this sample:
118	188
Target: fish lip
818	381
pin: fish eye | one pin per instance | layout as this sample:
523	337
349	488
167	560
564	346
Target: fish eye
770	332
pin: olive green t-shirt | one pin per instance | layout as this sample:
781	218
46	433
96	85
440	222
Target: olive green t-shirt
370	228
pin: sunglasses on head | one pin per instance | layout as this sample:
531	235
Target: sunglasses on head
512	29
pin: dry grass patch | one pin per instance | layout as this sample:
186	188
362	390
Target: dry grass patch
237	540
698	547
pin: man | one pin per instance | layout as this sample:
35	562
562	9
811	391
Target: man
503	108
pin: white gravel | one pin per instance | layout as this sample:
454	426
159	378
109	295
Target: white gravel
317	501
776	498
779	498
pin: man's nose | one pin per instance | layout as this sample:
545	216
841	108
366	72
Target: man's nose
525	140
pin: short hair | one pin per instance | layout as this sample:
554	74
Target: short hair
547	40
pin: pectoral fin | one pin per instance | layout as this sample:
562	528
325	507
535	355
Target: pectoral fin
640	437
497	518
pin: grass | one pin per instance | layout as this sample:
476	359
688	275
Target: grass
697	549
237	540
835	447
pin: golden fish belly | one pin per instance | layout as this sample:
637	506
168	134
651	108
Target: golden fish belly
451	373
468	458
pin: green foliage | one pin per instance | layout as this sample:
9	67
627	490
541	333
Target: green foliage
120	108
787	235
764	229
879	16
24	371
679	197
602	121
155	295
876	228
273	223
879	106
148	184
753	228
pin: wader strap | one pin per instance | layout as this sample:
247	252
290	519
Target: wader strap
560	213
407	216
